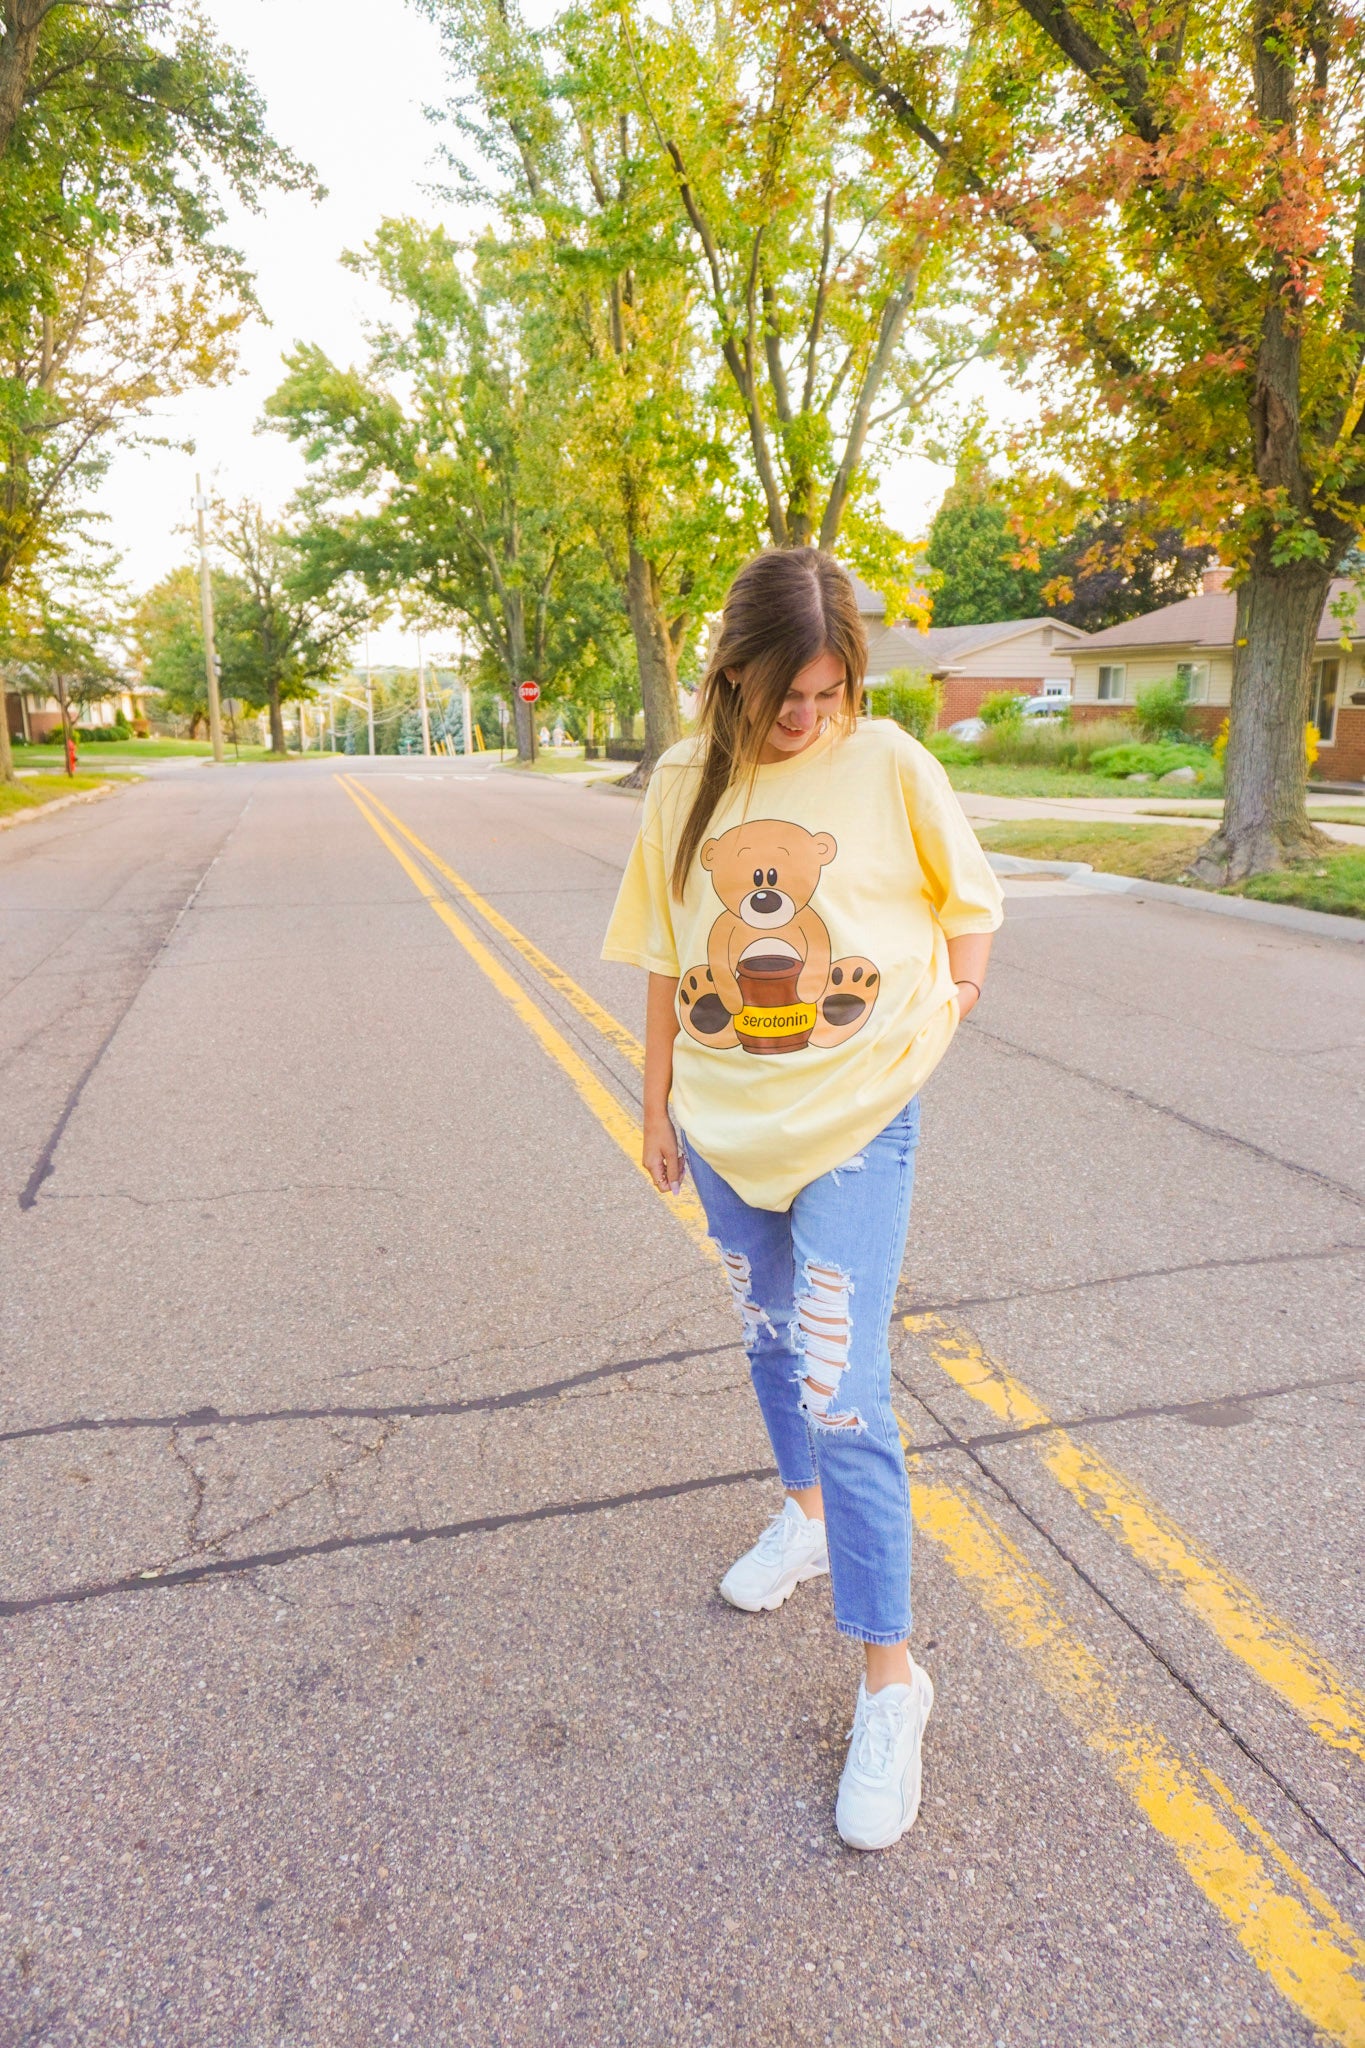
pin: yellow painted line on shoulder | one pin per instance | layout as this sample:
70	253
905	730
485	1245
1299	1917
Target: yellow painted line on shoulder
1279	1656
602	1020
616	1121
1282	1920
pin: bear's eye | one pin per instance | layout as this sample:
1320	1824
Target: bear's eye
772	878
758	878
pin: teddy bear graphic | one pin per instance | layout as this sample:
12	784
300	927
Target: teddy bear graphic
768	982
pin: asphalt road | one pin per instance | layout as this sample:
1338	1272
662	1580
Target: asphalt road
374	1437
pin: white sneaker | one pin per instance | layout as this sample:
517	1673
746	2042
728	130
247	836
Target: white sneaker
791	1548
879	1791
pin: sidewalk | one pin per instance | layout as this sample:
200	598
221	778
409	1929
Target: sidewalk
1113	809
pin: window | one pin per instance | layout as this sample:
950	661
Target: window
1195	676
1111	682
1051	689
1322	699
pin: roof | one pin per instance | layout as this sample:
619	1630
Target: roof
1205	621
941	646
871	603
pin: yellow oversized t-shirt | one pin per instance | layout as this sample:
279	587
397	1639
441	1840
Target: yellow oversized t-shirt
810	944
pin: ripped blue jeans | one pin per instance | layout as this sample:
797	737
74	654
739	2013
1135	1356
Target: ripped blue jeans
815	1288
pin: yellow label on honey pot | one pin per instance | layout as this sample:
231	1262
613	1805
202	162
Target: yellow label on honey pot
753	1022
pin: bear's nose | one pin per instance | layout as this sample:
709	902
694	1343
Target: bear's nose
764	902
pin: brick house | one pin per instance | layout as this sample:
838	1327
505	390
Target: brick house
1193	640
1029	656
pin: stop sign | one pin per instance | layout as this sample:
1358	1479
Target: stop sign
528	692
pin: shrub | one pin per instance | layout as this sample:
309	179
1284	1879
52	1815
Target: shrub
1029	744
1093	735
953	753
909	696
1152	757
1162	710
1002	707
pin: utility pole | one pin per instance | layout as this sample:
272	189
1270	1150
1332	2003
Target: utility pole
422	695
468	701
369	693
206	615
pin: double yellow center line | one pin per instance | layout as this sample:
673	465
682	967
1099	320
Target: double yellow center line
1282	1920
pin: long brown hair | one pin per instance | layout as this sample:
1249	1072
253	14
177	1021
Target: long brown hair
785	608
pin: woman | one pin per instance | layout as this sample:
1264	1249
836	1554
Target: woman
815	916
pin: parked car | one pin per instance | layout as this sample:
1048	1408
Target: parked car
1044	707
968	729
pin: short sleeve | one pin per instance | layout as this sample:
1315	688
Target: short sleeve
641	928
963	890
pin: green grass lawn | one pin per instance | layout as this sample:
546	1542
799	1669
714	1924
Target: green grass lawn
1336	882
36	790
1161	853
115	751
547	763
1156	852
997	778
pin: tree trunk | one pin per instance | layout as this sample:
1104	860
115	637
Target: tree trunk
6	750
514	621
1265	819
656	662
277	744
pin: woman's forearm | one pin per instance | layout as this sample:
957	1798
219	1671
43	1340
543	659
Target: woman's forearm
661	1028
967	960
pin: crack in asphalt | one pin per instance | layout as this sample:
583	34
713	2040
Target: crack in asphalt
1216	1412
1193	1123
198	1544
970	1449
46	1160
155	1580
416	1411
909	1303
314	1187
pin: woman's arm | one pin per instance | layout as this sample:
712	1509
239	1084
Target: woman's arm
967	958
661	1156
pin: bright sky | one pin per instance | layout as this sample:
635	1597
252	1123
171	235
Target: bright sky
344	84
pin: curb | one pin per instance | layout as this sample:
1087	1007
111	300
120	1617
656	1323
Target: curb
1321	924
58	803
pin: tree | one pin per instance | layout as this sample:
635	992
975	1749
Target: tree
1169	207
121	126
451	438
1112	567
974	551
820	256
60	637
287	629
595	249
167	632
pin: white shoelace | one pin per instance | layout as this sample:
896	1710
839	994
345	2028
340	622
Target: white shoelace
772	1544
875	1733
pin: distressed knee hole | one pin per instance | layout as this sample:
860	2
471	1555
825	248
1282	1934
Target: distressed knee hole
825	1322
740	1276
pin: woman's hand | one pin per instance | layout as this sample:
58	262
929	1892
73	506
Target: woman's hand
968	996
662	1154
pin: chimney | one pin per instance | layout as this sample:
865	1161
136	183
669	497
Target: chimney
1215	579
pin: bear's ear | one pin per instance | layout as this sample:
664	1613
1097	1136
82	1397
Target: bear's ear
825	846
708	854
